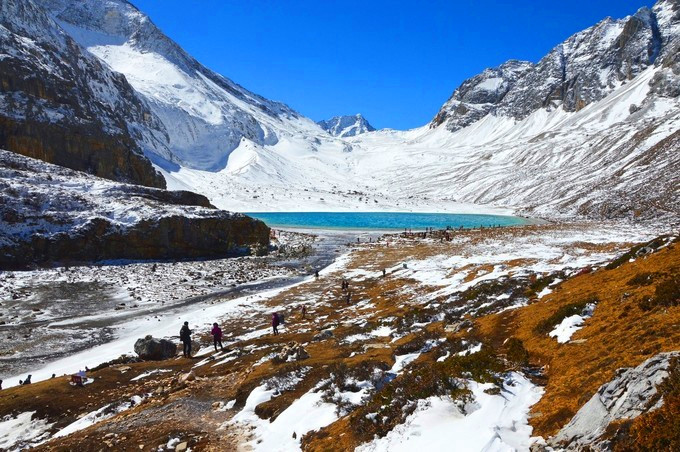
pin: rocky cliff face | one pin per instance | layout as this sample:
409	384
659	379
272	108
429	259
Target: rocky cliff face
62	105
51	214
584	69
346	126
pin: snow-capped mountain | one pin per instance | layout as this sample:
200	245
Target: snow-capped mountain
584	69
205	114
346	126
591	129
61	104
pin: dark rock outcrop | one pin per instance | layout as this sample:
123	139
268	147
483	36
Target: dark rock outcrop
153	349
50	214
60	104
172	237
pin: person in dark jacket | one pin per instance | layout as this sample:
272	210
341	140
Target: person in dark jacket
27	381
275	323
185	337
217	336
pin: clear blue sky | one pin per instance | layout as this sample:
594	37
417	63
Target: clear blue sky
396	62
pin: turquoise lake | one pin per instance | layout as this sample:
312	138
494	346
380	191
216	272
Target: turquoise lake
382	220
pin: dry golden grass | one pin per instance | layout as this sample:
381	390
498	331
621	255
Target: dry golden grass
620	334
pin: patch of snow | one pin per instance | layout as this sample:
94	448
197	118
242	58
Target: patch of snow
571	324
22	431
490	423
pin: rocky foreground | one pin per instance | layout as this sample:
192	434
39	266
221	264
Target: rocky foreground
522	334
51	214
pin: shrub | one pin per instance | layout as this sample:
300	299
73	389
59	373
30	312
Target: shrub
516	352
633	252
666	294
642	279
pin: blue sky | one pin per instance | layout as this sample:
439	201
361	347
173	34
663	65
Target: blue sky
396	62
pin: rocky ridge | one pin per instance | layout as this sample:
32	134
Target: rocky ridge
52	214
583	69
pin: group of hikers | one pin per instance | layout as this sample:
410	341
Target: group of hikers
185	337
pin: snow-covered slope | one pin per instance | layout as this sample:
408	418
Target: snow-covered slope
346	126
591	129
206	115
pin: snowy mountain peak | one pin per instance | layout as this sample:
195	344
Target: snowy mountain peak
346	126
584	69
205	114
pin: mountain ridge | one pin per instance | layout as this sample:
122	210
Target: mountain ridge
584	68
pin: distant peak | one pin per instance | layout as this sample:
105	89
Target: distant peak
346	126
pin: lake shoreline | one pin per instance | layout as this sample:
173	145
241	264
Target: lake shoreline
388	222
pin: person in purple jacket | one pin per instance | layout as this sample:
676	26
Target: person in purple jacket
217	336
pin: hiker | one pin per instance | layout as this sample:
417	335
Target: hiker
275	323
303	310
316	274
349	297
0	385
27	381
185	337
217	336
384	272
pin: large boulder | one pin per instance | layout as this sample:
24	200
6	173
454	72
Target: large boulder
150	348
632	392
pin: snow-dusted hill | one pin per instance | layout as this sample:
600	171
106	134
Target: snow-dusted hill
346	126
588	130
49	213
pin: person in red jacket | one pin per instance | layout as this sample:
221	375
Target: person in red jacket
217	336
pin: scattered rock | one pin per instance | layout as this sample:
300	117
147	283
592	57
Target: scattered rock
291	352
181	447
153	349
184	378
325	334
457	326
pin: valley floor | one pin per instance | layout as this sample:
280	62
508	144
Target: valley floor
475	335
